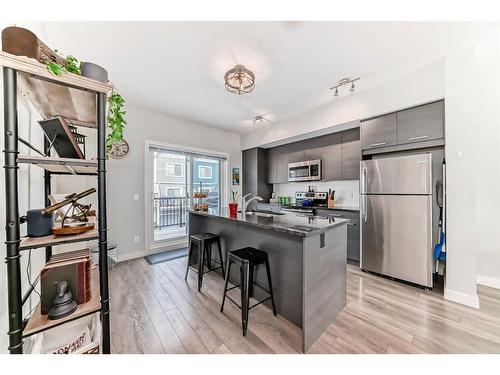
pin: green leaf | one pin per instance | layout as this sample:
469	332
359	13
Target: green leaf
54	68
116	120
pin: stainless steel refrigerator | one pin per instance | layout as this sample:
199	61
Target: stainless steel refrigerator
396	212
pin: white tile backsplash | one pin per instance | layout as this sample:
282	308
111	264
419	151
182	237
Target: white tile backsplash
346	192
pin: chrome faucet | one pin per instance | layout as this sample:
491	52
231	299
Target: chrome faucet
245	202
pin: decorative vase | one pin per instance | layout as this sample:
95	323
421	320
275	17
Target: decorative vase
94	71
233	209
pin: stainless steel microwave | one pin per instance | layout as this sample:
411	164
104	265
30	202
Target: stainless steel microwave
304	171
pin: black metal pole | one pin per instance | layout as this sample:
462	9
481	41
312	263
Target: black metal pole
12	235
103	234
47	191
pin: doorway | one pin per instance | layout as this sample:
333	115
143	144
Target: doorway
173	175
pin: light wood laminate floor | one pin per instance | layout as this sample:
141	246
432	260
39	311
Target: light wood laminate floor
155	311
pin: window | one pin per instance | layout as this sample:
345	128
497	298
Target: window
174	170
204	171
172	192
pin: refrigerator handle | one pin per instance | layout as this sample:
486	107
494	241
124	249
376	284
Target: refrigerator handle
363	207
363	180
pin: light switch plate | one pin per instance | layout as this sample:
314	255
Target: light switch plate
137	239
136	197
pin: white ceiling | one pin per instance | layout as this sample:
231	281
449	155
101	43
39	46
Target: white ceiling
177	68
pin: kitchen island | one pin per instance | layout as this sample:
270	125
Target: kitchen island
307	256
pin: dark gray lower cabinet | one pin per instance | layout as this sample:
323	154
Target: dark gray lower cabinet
353	230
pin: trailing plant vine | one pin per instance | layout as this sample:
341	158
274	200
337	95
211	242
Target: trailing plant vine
72	66
116	119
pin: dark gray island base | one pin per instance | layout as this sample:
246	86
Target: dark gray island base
308	261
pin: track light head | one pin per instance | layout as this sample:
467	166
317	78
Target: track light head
336	92
352	87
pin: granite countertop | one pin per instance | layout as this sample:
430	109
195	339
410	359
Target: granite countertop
294	223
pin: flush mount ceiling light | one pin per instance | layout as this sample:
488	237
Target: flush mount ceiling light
239	80
259	120
343	82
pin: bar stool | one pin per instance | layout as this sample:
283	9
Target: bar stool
204	242
248	258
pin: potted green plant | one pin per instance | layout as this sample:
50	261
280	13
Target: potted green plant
233	205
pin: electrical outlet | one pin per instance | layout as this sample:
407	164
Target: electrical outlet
137	239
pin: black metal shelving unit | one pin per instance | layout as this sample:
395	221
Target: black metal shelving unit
12	67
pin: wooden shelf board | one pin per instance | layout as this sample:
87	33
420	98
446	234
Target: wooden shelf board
68	95
59	165
39	323
51	240
33	67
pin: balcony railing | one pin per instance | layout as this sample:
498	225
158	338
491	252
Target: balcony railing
169	211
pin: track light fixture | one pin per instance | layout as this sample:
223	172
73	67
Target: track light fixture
343	82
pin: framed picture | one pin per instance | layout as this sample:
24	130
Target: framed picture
236	176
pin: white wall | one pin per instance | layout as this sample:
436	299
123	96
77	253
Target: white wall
472	90
30	196
410	88
126	176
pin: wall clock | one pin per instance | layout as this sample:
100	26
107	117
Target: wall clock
119	149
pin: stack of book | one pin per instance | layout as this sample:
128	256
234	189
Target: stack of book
75	268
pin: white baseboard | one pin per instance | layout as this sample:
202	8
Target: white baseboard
156	250
488	281
464	299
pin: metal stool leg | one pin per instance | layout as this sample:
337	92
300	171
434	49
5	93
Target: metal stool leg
189	257
209	256
201	258
268	270
220	257
228	267
245	283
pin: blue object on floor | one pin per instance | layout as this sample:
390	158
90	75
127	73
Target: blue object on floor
166	256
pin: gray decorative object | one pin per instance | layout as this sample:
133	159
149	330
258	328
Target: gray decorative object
94	71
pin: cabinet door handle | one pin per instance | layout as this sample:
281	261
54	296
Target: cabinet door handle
378	144
417	138
351	224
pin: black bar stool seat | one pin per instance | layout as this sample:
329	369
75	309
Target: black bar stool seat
248	258
204	242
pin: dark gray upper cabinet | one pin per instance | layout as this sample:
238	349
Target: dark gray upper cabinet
271	166
313	148
351	154
296	152
379	132
421	123
331	157
282	168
